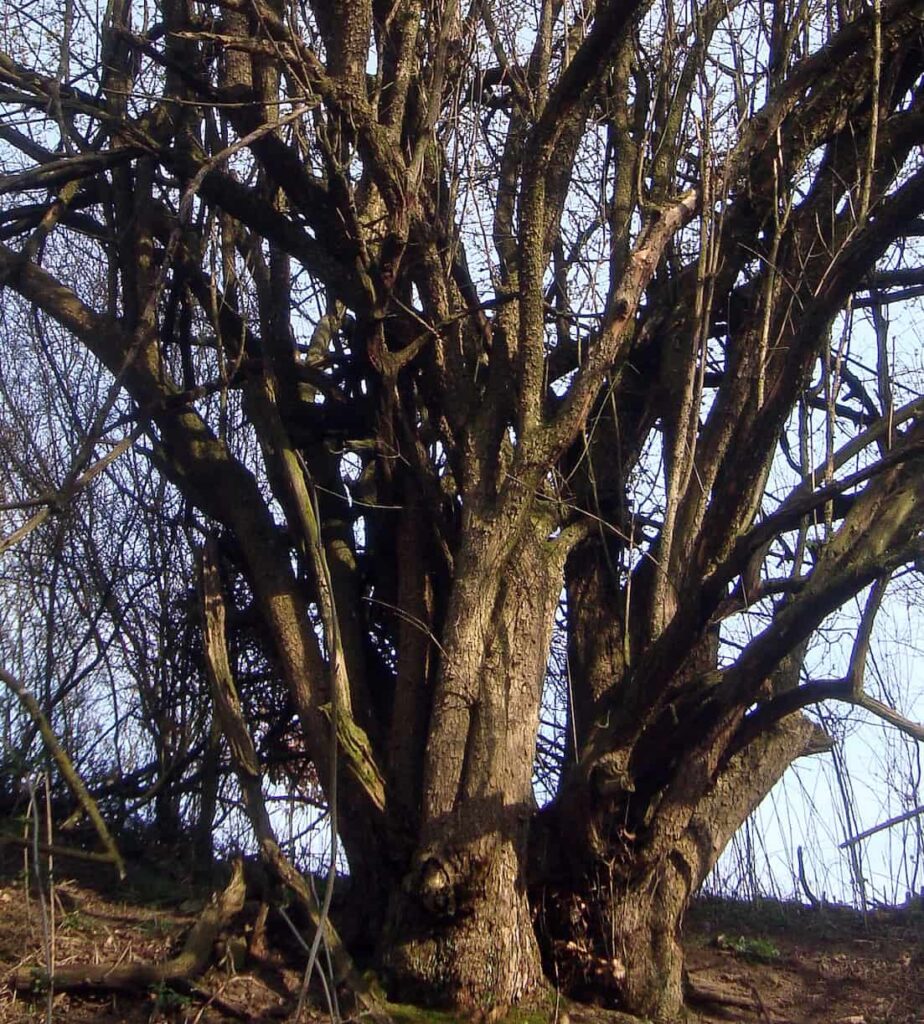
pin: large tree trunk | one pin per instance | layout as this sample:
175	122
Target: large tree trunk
615	919
461	933
460	929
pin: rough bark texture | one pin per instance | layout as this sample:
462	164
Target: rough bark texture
426	311
460	929
625	908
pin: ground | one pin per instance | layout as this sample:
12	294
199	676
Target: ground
768	962
791	963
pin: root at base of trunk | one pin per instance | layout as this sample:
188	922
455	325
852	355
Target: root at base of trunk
473	951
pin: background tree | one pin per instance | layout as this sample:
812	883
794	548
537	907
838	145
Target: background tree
95	576
430	311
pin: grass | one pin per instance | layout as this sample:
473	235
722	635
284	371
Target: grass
753	948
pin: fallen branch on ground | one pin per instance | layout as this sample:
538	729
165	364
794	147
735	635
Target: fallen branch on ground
189	963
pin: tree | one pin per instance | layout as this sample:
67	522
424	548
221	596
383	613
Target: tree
432	313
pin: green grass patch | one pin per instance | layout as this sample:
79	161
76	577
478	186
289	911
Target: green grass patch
755	949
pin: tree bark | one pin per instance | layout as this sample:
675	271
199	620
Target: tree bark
616	920
460	930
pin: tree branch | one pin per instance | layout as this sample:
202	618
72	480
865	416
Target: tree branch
66	767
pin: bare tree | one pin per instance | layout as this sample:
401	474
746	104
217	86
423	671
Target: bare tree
432	311
96	579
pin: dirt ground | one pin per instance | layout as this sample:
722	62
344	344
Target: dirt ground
769	962
792	963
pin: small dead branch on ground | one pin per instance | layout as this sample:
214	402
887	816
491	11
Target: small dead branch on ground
189	963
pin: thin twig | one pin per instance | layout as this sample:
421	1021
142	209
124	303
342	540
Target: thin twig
882	826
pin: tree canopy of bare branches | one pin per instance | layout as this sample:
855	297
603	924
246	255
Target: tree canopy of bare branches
438	317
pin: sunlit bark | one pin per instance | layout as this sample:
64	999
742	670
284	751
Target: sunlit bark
433	312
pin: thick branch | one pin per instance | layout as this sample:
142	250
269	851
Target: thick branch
247	768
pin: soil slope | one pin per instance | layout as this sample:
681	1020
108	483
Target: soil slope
770	962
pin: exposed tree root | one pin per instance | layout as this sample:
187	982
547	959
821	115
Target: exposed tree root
702	993
189	963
